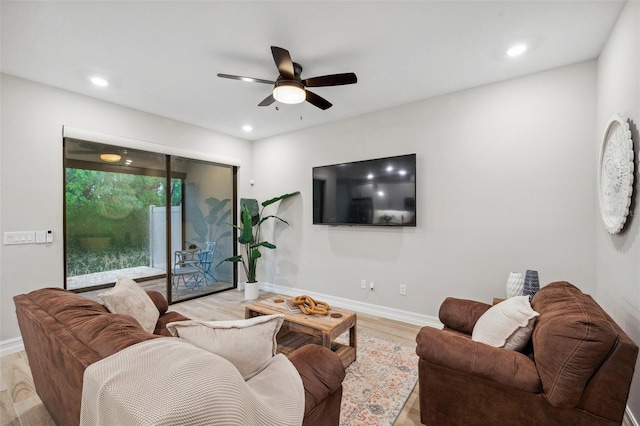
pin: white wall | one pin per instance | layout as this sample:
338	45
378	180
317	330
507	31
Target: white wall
506	182
32	170
618	256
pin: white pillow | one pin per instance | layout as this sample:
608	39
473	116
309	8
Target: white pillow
248	344
127	297
508	324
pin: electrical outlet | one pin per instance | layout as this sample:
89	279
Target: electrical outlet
372	286
363	283
403	289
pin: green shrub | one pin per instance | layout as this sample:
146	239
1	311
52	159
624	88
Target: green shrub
81	261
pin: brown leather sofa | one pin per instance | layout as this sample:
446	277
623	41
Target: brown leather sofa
63	333
577	369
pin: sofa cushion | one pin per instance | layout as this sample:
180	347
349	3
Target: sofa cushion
570	341
107	333
248	344
506	325
128	298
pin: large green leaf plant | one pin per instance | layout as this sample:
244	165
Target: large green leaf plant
251	219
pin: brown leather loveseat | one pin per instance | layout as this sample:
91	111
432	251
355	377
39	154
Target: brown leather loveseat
577	369
64	333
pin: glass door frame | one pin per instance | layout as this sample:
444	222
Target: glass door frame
168	175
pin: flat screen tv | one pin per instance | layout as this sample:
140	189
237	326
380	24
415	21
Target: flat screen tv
379	192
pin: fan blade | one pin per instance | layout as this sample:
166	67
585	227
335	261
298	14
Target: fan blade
318	101
248	79
267	101
331	80
283	62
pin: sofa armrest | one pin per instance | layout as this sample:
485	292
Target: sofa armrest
466	356
461	314
158	300
321	371
164	319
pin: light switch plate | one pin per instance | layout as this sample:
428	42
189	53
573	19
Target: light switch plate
41	237
19	237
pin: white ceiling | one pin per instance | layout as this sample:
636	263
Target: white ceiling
163	56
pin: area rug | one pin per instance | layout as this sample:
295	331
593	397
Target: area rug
379	382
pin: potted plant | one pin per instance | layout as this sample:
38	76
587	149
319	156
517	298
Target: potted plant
251	219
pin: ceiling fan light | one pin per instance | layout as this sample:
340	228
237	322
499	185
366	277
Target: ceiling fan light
289	92
110	158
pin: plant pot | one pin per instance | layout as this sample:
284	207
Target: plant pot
251	290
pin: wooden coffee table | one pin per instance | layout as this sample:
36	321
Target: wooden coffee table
299	329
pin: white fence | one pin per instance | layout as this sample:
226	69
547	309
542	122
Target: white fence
158	234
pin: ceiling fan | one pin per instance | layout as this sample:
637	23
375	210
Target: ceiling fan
290	88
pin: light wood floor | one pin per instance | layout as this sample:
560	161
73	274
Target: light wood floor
20	405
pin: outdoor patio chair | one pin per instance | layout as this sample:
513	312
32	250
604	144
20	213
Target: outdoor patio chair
206	259
186	267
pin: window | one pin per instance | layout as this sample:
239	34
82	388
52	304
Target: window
122	203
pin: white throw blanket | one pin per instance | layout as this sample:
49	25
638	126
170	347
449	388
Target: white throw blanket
171	382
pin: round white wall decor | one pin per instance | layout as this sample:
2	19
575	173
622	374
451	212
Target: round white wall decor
615	179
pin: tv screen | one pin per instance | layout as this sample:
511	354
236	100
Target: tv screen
379	192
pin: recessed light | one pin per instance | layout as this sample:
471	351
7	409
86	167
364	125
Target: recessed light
516	50
370	176
247	128
402	172
99	81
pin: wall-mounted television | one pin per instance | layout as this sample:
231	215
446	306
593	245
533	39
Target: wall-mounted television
378	192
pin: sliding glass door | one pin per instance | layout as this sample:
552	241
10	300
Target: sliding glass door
205	236
161	220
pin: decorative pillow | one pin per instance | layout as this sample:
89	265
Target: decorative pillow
127	297
248	344
508	324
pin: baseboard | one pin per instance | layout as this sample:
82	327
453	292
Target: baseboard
10	346
628	419
354	305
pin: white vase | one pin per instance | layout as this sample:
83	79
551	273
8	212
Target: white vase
515	284
251	290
